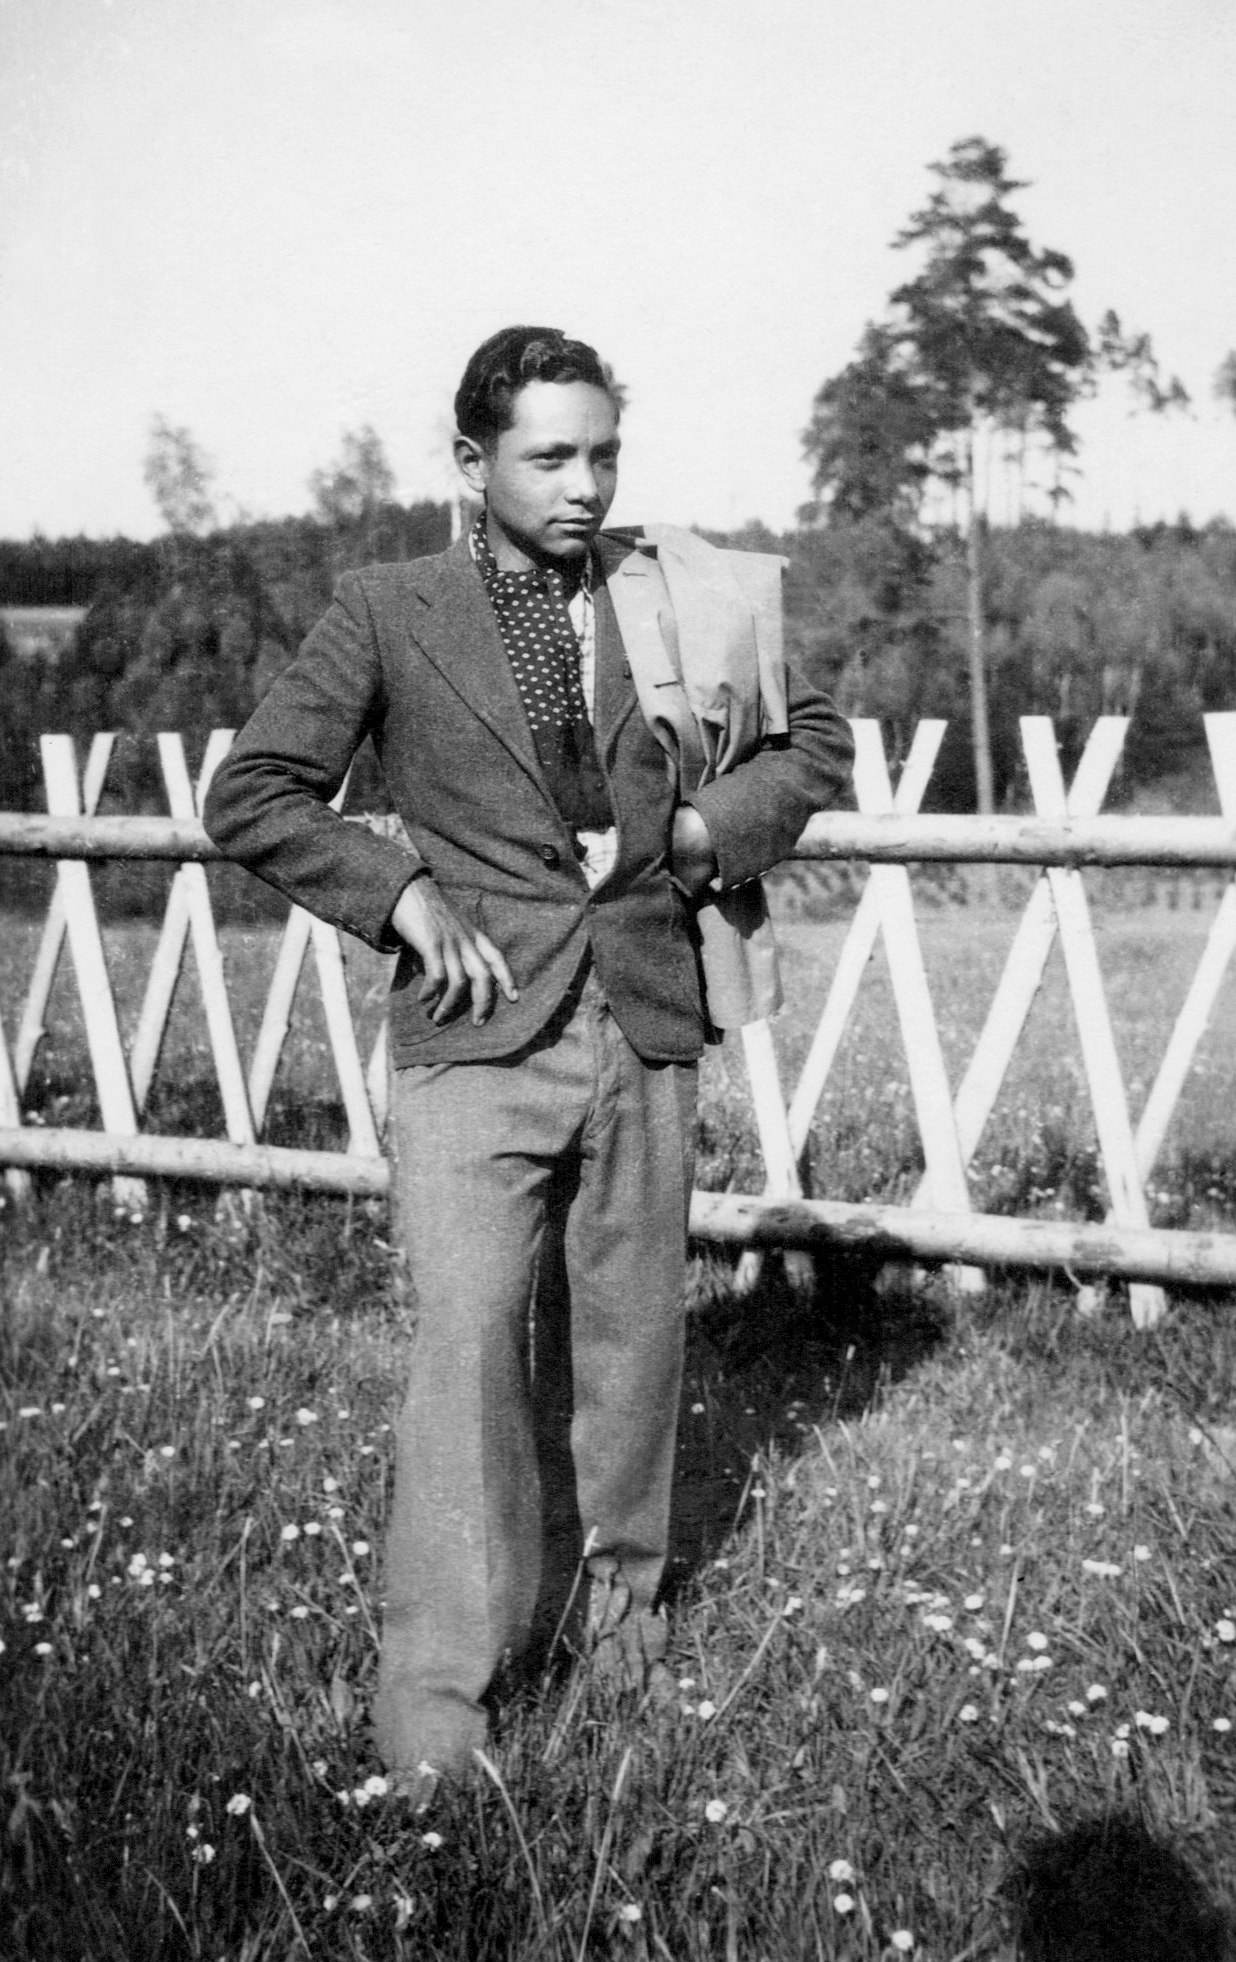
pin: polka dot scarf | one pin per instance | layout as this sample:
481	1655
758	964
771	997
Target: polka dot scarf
536	630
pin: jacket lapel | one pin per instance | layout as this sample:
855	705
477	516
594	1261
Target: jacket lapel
455	628
615	688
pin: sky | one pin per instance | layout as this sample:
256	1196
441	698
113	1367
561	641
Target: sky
273	221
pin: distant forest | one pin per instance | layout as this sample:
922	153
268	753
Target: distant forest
183	633
187	632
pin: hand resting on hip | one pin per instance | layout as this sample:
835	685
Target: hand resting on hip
461	965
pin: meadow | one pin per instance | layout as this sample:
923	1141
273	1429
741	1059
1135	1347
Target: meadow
949	1574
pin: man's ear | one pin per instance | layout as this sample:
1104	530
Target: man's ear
473	464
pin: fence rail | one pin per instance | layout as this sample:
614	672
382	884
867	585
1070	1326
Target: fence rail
1065	833
1162	841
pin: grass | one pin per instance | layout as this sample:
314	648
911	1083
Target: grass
914	1539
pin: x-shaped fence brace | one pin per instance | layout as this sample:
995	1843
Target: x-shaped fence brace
950	1127
950	1132
123	1087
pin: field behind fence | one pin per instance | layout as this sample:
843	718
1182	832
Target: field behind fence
967	1200
1039	1152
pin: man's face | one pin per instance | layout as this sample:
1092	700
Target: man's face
550	478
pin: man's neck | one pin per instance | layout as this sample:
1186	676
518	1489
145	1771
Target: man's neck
511	557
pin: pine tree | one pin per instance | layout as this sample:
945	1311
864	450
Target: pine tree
981	346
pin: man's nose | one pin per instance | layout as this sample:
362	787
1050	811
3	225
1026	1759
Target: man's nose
582	483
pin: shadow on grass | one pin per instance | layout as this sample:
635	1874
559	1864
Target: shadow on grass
767	1366
1107	1886
1188	1360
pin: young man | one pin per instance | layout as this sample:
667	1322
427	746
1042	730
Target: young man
546	1019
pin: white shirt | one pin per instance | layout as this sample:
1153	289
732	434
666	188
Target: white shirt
600	848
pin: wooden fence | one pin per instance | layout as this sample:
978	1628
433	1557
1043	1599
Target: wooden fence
1065	832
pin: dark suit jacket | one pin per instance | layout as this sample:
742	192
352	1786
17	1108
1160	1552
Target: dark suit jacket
411	655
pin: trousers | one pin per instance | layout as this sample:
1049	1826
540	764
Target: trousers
541	1203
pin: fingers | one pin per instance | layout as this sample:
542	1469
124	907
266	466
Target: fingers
461	967
476	975
446	980
496	963
434	978
483	965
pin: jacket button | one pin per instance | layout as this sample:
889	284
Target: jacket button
549	853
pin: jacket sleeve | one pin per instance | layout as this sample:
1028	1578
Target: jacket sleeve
756	812
268	806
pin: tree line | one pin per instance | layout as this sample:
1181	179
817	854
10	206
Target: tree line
1075	625
904	598
186	633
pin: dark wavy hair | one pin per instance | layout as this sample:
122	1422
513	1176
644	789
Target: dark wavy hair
507	362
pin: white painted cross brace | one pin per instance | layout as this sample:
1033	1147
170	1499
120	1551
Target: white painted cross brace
1027	957
31	1028
86	949
1220	944
887	904
859	944
783	1135
933	1103
780	1159
188	914
32	1020
1098	1046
